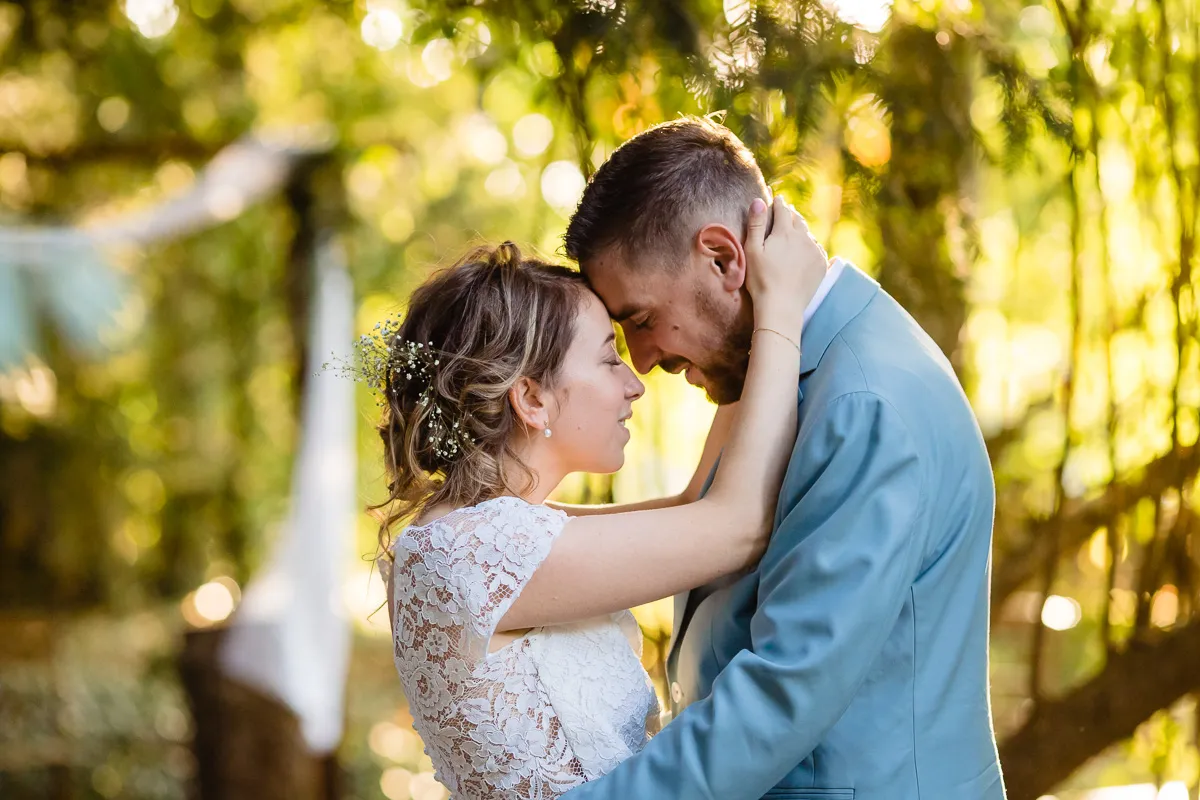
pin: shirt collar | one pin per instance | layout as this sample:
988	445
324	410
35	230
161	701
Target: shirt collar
836	267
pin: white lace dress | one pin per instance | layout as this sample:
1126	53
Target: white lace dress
559	706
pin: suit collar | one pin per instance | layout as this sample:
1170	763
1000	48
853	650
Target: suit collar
848	297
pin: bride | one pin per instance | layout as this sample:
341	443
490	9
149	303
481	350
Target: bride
517	655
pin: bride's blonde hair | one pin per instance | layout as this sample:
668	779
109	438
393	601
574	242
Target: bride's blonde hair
492	318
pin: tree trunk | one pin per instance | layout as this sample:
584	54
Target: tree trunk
248	746
1018	561
1063	734
921	200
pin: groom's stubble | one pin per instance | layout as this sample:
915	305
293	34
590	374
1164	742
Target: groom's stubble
725	370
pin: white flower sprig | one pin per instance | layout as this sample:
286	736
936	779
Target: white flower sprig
383	358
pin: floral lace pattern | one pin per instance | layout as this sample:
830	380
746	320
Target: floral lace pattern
594	678
537	717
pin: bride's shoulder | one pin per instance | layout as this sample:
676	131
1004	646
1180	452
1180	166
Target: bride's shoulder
469	563
502	511
495	534
434	513
496	511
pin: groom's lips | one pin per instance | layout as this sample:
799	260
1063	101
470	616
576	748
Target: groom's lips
690	371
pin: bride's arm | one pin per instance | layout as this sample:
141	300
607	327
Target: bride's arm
606	562
718	432
576	510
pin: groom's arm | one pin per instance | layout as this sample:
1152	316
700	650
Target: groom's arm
832	584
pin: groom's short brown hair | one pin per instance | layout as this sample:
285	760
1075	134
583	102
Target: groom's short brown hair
649	197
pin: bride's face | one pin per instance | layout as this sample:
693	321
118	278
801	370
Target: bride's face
594	394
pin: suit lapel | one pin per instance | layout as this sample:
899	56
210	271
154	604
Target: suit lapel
678	621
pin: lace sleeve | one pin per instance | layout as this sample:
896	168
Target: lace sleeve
486	720
465	574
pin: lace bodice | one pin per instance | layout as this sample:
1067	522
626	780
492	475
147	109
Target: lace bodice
557	707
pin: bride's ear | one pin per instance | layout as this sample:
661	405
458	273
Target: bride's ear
724	255
528	401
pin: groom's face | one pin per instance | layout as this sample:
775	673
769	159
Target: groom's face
683	318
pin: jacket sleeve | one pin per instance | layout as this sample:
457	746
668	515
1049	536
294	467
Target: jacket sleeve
831	585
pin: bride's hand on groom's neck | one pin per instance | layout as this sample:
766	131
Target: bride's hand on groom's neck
784	268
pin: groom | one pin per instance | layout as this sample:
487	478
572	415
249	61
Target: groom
852	662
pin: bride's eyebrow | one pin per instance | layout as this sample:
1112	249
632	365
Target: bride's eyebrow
608	340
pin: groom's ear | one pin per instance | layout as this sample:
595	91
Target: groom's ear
528	401
721	252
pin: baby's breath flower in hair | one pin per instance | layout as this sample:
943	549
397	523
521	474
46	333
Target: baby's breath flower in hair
389	363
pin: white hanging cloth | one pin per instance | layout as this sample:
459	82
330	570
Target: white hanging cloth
291	636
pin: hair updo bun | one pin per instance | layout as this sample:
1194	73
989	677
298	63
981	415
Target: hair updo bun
492	318
506	255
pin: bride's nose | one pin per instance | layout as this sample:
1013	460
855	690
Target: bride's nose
634	388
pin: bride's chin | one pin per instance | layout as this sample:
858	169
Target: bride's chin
605	459
614	464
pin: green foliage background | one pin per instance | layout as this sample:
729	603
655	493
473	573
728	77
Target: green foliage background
1024	178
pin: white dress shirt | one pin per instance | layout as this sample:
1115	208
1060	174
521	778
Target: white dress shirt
836	267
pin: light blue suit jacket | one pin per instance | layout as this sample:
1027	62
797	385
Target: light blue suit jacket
852	663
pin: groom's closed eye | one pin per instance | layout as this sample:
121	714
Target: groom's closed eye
645	323
622	315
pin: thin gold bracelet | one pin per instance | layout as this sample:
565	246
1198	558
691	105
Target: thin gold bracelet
777	333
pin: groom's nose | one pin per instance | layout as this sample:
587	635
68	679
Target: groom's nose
642	353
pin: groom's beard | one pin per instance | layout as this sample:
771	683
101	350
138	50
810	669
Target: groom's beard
725	373
725	368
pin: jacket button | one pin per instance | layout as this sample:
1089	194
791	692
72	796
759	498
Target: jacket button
676	693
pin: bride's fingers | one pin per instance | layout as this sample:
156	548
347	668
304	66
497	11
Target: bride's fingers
780	213
756	226
788	218
797	219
